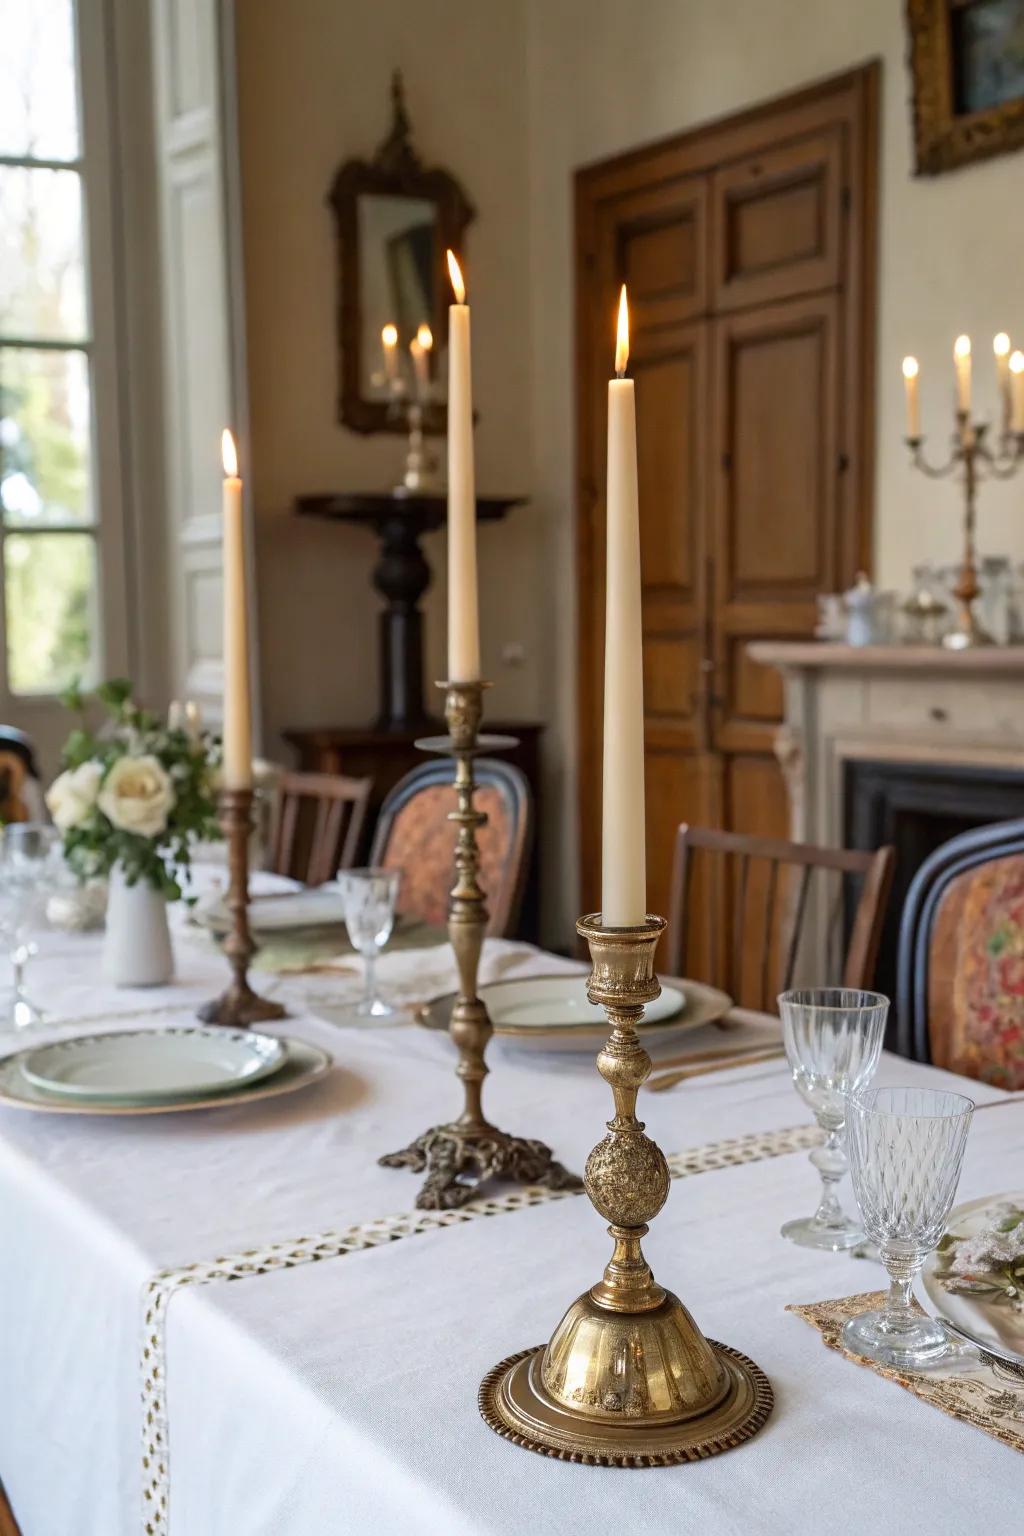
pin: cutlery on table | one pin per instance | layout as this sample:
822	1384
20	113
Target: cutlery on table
740	1059
987	1351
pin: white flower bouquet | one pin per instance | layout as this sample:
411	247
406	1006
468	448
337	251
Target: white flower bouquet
136	793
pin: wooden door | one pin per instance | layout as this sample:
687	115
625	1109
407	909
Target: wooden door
748	252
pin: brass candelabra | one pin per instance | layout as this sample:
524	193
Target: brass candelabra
627	1378
463	1154
238	1005
971	450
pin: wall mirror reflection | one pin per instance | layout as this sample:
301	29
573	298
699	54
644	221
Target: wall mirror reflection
395	218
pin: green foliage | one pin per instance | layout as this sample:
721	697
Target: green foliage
94	845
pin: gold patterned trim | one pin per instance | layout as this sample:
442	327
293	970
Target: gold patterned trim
158	1291
985	1397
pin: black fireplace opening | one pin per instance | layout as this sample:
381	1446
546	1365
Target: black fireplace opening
917	807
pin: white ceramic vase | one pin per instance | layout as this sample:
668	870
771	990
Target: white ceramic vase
137	948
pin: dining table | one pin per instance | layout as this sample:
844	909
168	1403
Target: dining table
235	1322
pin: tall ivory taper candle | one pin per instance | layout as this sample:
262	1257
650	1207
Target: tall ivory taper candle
463	615
237	720
910	373
1001	353
1017	392
962	365
623	859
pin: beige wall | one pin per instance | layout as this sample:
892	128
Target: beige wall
314	78
513	97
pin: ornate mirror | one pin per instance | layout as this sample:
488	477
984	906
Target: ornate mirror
395	218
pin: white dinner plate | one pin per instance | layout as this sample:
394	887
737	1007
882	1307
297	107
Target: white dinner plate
552	1013
303	1064
153	1064
990	1322
320	906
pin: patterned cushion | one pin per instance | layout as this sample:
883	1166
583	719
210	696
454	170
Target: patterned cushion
422	845
976	975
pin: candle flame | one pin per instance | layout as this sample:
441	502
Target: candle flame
962	346
1017	362
229	455
389	335
910	368
1001	344
425	337
455	273
622	336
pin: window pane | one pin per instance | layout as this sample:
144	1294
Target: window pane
42	274
49	581
44	437
38	97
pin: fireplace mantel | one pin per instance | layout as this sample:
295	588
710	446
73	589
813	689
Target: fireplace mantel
987	660
889	702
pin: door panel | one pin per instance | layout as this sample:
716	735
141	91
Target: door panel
774	513
776	222
662	240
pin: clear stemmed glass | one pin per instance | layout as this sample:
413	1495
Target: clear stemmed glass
27	868
906	1151
833	1039
369	896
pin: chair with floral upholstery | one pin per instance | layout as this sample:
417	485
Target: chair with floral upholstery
413	834
960	980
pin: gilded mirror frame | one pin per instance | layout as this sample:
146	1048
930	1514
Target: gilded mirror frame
395	171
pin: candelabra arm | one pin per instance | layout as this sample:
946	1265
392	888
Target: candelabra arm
933	471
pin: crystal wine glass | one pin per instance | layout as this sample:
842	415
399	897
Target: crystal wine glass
26	868
833	1038
906	1152
369	896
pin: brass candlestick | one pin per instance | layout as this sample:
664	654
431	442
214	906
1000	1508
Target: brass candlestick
464	1154
971	450
238	1005
627	1379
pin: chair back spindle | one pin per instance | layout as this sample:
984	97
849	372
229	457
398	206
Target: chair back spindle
318	825
771	881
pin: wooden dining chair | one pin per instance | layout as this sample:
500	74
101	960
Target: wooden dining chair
772	891
413	834
318	822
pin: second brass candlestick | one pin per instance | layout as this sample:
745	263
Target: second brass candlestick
627	1378
238	1005
463	1154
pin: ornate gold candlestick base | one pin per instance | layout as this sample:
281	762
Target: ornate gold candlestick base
238	1005
461	1156
627	1379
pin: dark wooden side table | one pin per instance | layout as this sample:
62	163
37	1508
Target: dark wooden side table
399	518
386	756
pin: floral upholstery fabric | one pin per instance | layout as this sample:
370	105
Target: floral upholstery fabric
422	845
976	975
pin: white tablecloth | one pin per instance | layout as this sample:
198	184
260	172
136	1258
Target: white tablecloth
341	1396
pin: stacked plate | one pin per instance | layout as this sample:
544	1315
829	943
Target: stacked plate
157	1071
552	1013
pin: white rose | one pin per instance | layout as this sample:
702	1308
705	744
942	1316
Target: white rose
138	795
72	796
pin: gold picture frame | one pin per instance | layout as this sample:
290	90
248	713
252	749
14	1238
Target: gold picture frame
967	68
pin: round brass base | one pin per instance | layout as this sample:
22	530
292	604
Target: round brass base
514	1403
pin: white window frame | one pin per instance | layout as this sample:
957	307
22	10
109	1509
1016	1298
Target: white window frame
38	713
